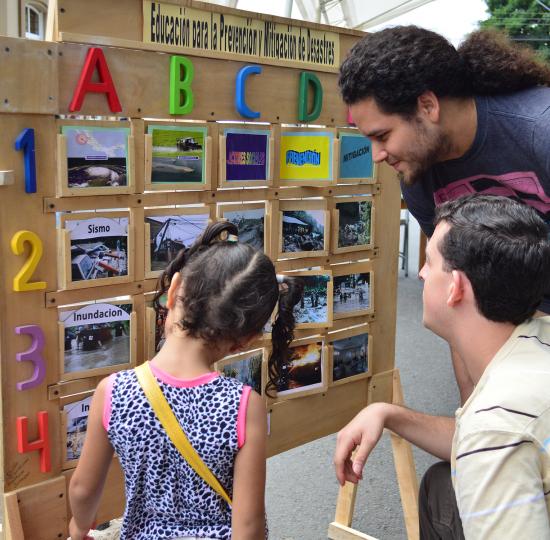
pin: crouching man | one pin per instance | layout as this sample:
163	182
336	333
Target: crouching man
487	268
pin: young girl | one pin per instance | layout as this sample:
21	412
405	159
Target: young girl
219	296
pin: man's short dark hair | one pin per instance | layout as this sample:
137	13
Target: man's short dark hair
502	246
396	65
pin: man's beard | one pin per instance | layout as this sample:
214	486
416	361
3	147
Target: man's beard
430	150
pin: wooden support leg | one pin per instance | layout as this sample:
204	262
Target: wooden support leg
345	505
340	528
405	470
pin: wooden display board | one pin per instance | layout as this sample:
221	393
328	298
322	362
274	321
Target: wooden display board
51	273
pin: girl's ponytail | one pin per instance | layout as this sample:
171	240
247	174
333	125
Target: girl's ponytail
282	333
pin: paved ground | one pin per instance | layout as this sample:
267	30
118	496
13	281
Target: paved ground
301	486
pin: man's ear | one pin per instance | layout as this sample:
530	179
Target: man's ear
456	289
172	293
428	106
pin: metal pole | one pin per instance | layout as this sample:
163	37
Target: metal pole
288	8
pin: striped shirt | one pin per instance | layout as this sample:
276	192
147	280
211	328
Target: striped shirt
500	458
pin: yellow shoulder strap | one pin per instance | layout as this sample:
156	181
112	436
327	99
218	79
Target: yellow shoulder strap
174	430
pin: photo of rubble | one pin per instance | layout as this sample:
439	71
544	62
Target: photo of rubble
99	248
251	224
303	230
354	223
170	234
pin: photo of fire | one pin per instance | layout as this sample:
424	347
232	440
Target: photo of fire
304	371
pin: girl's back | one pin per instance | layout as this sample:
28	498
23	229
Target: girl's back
165	496
215	299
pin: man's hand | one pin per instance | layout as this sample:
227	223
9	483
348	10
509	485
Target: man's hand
363	433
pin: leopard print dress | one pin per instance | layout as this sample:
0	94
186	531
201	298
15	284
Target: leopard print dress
165	497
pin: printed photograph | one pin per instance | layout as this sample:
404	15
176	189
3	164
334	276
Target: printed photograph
350	357
304	370
99	248
246	155
169	234
77	424
178	154
96	157
351	293
251	223
247	369
313	306
303	230
355	156
96	336
354	223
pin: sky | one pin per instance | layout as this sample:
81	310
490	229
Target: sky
451	18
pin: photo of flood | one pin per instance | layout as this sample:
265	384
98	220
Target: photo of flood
251	223
247	370
77	425
96	336
169	234
304	370
99	248
303	230
313	306
351	292
178	154
350	357
354	223
96	157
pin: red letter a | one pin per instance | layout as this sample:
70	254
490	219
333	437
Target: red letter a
105	85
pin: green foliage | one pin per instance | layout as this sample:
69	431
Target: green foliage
525	21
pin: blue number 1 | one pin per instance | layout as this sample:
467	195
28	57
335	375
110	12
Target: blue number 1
25	142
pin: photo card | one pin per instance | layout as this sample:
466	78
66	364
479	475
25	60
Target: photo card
96	249
350	351
306	157
96	338
168	230
352	224
306	372
74	425
94	158
353	290
177	156
303	228
314	310
355	158
248	367
252	220
245	156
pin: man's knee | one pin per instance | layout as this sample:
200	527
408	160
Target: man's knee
436	478
438	511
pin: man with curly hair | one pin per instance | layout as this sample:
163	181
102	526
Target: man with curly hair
453	121
487	267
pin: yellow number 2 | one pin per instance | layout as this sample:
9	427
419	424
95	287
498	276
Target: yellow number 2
21	280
